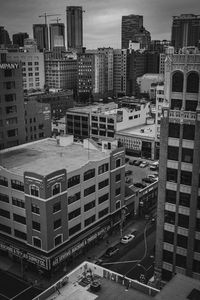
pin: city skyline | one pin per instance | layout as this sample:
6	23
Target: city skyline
101	20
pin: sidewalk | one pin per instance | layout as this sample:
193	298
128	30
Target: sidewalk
93	254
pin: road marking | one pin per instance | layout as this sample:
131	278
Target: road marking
120	262
29	287
4	296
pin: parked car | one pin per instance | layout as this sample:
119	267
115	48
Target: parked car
127	238
140	185
148	180
137	162
154	166
127	159
128	172
144	164
111	251
127	180
132	162
153	177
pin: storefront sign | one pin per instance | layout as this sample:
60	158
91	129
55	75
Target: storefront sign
78	246
9	66
39	261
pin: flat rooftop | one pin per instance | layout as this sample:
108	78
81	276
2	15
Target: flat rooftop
46	156
142	131
77	287
180	287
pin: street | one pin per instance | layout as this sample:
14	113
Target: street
135	258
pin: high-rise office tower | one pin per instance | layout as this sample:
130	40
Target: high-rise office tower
74	23
178	211
57	35
40	34
4	37
18	38
186	31
12	128
133	30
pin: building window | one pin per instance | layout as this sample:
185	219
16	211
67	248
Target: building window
102	119
184	199
5	228
176	104
103	198
56	207
188	132
74	229
8	73
12	132
57	224
170	196
183	221
196	266
118	191
177	82
4	198
17	185
103	183
186	178
168	237
73	181
10	97
197	246
89	174
19	219
19	234
4	213
36	225
118	177
90	220
118	163
58	240
35	209
197	224
172	175
191	105
75	213
173	153
18	202
37	242
89	190
89	205
187	155
3	181
174	130
169	217
193	82
9	85
166	275
118	204
56	189
181	261
103	212
168	256
74	198
11	109
34	190
103	168
182	241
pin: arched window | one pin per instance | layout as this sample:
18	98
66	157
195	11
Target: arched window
193	82
34	190
177	82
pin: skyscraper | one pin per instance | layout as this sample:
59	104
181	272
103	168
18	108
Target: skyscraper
57	35
133	30
186	31
178	211
18	38
4	36
74	27
40	34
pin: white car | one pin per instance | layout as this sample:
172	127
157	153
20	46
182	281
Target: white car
127	238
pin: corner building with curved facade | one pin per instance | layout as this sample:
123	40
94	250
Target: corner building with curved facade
178	211
57	199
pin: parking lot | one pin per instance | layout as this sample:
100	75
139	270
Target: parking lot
138	173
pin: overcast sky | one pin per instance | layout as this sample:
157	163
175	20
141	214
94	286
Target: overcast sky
101	19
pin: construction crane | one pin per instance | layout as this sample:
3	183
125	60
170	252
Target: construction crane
45	16
57	19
